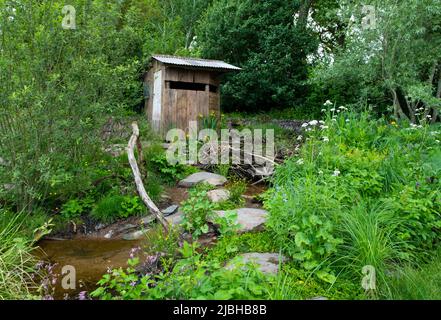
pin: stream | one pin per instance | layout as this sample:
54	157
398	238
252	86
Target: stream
91	256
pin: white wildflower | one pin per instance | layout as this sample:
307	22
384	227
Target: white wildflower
323	110
320	172
305	125
333	110
336	173
325	139
313	123
300	162
299	138
324	127
327	103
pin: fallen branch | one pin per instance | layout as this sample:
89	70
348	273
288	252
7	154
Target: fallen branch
138	180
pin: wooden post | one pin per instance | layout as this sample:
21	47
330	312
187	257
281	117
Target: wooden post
138	180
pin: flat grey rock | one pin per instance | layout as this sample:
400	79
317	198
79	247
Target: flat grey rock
126	227
109	234
170	210
218	195
175	219
203	177
136	235
249	219
266	262
147	220
100	226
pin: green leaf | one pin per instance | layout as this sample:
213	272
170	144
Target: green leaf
301	239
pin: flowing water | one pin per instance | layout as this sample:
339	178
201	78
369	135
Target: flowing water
90	258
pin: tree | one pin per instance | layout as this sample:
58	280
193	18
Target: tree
267	42
60	85
395	60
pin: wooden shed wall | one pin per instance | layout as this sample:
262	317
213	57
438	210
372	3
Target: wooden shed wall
180	106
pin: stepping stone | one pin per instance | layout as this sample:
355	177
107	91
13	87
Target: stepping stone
170	210
126	227
100	226
136	235
175	219
203	177
249	219
218	195
266	262
147	220
109	234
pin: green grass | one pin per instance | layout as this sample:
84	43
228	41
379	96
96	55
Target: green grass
108	209
16	261
423	283
368	241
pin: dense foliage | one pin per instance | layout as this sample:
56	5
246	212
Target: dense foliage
359	188
274	62
360	192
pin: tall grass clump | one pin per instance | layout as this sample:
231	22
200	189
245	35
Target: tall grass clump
417	283
368	240
16	261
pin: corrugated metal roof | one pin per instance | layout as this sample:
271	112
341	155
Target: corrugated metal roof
195	62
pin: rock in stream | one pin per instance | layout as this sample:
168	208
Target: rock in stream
203	177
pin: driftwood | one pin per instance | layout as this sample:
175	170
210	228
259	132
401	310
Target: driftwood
133	142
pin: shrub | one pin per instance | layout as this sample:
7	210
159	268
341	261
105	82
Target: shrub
303	220
157	162
75	208
114	207
197	208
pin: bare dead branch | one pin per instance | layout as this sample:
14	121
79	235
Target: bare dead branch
138	180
